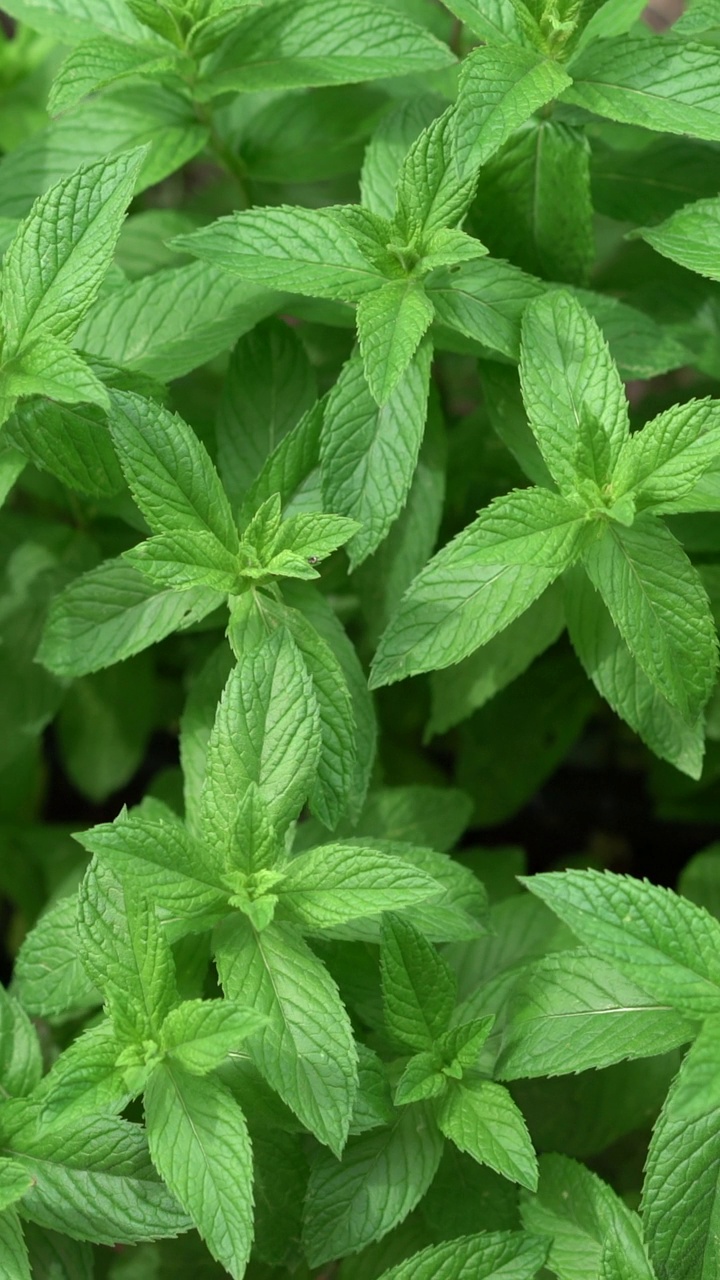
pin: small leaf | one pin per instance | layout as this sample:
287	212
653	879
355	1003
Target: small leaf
481	1118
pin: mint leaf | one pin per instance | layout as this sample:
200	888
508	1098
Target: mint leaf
98	64
336	883
499	89
573	1012
48	291
199	1034
391	323
86	1079
20	1060
199	1143
14	1182
664	461
266	733
13	1246
49	975
667	84
481	1118
113	612
572	391
655	937
690	237
369	451
305	1050
382	1176
681	1184
46	366
581	1213
169	471
418	987
319	42
298	250
492	1255
658	604
623	683
73	443
181	560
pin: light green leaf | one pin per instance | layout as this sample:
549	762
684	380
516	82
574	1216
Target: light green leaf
20	1059
492	1255
484	301
169	471
179	560
14	1182
126	954
481	1118
681	1191
73	443
499	89
298	250
690	237
268	388
112	612
665	460
395	134
623	683
338	882
199	1143
573	1012
580	1212
667	84
391	323
102	1168
369	452
49	975
50	368
293	43
71	20
652	935
572	391
98	64
12	1244
658	604
382	1176
305	1050
174	320
466	686
86	1079
48	291
266	732
199	1034
419	988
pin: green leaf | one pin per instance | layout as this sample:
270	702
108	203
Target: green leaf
305	1050
299	250
72	442
49	975
664	461
86	1079
492	1255
572	391
382	1176
573	1012
397	130
46	366
112	612
392	321
199	1034
57	1257
169	471
179	560
665	84
47	290
199	1143
290	469
499	89
534	204
319	42
580	1213
658	604
481	1118
14	1182
102	1168
623	683
126	954
338	882
158	855
99	64
266	732
466	686
268	388
12	1244
20	1059
652	935
419	988
690	237
485	302
369	452
460	600
77	18
421	1079
680	1192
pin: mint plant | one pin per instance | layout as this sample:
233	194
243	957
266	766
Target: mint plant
359	458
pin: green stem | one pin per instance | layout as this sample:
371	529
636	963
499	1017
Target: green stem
225	156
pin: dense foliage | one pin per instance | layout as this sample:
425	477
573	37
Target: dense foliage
360	469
